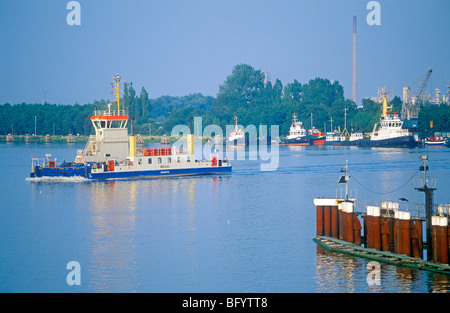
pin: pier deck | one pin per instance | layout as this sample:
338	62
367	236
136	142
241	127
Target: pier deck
340	246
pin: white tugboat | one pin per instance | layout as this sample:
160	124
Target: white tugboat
390	133
297	134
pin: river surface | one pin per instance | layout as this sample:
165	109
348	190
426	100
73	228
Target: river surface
248	231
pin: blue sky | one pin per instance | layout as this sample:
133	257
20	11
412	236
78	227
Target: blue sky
178	47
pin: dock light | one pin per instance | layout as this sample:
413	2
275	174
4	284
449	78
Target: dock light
423	157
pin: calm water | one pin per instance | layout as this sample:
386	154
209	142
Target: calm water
249	231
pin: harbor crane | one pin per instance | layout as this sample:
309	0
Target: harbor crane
411	105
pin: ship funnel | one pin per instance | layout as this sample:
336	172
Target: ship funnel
190	142
132	142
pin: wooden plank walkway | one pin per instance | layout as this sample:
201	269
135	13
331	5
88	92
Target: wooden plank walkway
339	246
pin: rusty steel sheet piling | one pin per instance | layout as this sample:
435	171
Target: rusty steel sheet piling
327	217
373	227
439	233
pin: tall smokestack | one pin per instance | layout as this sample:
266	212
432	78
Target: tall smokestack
355	94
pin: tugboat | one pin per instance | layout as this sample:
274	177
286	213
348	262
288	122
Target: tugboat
316	138
390	133
237	136
297	134
332	139
111	153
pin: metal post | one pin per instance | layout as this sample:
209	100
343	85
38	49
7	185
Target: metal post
428	207
429	214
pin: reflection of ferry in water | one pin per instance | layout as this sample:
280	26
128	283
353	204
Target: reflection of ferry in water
111	153
297	134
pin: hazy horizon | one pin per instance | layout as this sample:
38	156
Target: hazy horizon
177	47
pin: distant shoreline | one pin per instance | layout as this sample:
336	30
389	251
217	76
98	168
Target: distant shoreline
72	139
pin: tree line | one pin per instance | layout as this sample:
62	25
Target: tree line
245	94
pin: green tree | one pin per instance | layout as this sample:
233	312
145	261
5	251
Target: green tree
239	94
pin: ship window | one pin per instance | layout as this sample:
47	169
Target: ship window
188	159
159	160
178	159
149	160
139	161
169	160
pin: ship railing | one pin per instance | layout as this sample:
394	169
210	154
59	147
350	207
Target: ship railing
109	112
41	162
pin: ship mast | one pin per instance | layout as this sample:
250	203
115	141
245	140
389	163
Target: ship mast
115	86
345	131
385	107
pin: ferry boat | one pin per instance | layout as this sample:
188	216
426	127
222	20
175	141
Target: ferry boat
237	136
111	153
390	133
297	134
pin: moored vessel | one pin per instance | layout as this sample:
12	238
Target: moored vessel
435	141
316	138
332	139
297	134
390	132
237	136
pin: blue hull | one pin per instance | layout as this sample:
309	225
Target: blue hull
82	171
297	141
165	172
85	171
405	141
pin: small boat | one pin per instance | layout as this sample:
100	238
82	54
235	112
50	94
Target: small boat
436	141
355	139
332	139
237	136
316	138
297	134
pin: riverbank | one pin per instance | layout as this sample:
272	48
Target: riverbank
81	139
